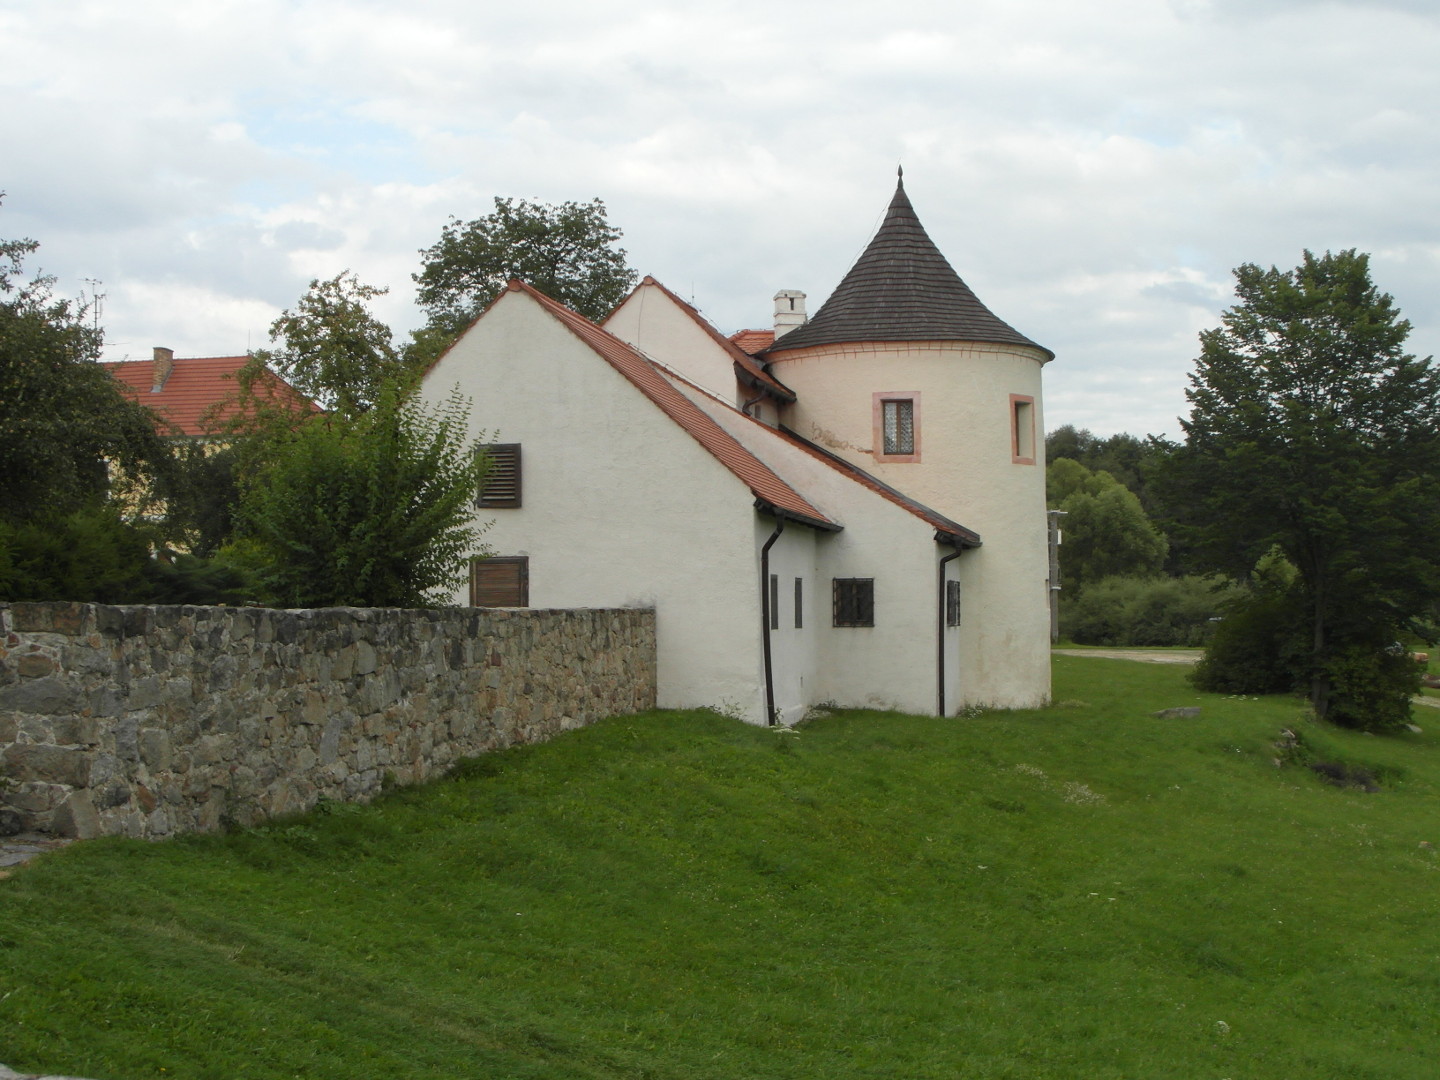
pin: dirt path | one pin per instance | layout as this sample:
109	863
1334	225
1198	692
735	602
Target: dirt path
1149	656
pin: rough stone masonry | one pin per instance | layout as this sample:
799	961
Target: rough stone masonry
148	721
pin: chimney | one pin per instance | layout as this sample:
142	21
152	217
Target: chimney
789	311
164	365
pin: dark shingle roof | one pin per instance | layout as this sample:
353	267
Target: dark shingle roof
902	289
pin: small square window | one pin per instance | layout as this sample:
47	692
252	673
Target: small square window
501	487
854	602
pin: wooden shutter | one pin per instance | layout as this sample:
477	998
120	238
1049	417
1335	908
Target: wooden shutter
502	482
500	581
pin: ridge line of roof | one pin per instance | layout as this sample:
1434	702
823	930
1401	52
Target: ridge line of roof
688	416
931	517
759	377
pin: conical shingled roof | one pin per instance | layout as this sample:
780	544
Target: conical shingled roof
902	289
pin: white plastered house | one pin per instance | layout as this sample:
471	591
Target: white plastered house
794	516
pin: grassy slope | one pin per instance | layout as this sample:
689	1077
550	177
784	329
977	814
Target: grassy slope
1081	892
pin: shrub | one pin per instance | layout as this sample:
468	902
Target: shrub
1144	611
90	555
1256	648
1371	688
369	511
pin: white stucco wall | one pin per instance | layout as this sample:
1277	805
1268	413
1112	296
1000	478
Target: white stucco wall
892	665
620	506
966	471
654	324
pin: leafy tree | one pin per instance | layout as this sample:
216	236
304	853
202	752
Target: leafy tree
200	489
1311	430
567	252
372	510
1105	529
68	435
332	349
1128	458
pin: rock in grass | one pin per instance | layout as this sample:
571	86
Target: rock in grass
1185	713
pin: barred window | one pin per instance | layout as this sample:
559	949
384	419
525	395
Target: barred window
501	487
854	602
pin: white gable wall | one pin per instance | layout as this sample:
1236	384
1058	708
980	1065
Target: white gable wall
620	506
653	323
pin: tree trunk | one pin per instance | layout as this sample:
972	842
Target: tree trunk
1319	680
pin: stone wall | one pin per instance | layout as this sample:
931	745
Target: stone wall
148	721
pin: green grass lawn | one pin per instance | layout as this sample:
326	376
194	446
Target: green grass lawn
1080	892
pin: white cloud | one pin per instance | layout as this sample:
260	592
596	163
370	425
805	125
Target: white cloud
1093	173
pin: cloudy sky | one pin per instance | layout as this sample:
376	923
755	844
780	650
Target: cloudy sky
1093	171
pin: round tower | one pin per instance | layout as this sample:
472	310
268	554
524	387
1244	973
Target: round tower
904	372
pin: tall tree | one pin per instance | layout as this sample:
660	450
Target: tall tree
1106	532
1311	430
567	252
332	349
68	436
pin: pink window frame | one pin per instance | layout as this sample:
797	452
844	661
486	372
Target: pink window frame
1015	442
877	418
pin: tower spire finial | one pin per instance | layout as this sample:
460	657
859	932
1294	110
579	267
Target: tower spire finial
900	173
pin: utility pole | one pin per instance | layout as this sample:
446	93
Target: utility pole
1053	517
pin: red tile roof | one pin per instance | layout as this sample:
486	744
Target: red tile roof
195	386
952	532
753	341
762	481
747	368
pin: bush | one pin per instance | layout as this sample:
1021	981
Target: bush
369	511
89	555
1371	688
1256	648
179	578
1138	611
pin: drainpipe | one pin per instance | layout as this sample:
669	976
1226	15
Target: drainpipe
765	619
940	634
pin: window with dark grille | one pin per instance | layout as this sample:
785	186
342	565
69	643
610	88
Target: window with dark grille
799	603
854	601
501	487
500	581
774	601
952	603
898	418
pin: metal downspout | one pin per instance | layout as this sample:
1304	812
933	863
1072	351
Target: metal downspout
765	619
940	635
